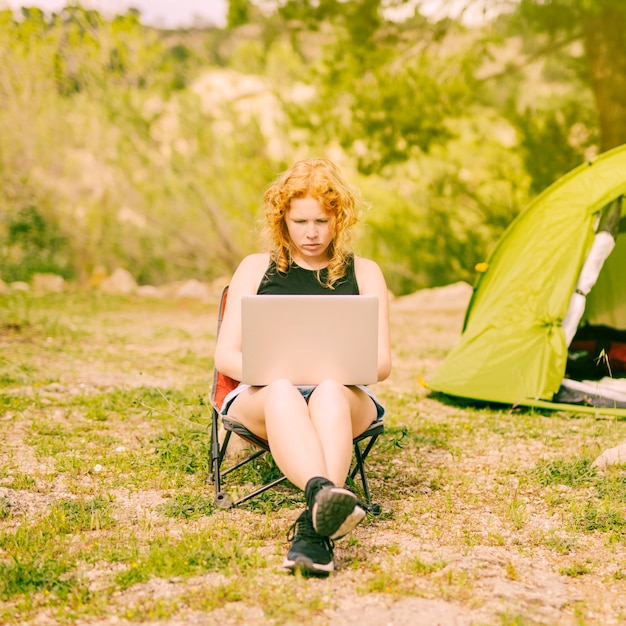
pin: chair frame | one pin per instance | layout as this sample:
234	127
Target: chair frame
222	384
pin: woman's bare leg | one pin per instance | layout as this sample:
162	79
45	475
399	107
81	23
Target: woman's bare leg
280	414
338	414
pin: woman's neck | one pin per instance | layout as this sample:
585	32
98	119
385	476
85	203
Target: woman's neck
310	264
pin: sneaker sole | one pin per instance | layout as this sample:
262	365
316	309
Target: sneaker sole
332	509
307	567
350	523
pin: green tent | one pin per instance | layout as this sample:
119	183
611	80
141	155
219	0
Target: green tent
551	264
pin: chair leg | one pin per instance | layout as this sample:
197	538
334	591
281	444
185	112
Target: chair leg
222	499
214	473
359	466
256	492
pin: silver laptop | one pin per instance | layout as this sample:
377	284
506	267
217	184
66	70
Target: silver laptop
307	339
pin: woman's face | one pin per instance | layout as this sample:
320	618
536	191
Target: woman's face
311	230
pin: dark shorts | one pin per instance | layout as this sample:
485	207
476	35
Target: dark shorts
306	391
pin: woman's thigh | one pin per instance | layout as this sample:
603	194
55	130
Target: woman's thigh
362	408
251	406
248	408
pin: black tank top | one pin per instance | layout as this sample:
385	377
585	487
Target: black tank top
297	280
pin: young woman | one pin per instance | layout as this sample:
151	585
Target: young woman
310	211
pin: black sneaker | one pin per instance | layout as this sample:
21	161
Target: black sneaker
310	553
335	512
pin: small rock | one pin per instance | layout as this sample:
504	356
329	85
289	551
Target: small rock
19	285
612	456
194	290
450	297
119	282
48	283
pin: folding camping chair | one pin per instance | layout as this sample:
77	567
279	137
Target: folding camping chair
222	385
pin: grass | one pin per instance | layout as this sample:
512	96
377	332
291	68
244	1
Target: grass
106	511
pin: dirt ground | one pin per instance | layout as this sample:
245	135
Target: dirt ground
507	583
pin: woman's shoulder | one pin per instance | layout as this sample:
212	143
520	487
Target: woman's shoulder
250	271
364	265
256	261
368	273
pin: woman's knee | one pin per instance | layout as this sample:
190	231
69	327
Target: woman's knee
331	390
281	385
330	386
282	392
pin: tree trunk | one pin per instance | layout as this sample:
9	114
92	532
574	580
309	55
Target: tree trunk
604	37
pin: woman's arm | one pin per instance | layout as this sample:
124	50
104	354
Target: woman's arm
372	282
245	281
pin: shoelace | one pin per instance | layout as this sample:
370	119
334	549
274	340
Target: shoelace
303	527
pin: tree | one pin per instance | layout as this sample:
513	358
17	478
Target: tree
385	90
601	27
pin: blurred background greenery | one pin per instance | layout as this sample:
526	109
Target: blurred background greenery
124	145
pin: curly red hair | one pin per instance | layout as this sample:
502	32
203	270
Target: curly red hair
321	179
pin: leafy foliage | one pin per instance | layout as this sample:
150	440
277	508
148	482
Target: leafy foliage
34	245
125	146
